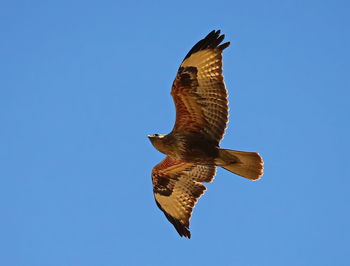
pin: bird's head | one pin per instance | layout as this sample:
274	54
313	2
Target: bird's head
155	137
157	141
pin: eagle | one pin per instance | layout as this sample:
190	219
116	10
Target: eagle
192	147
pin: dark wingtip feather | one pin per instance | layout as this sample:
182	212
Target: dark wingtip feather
180	228
211	41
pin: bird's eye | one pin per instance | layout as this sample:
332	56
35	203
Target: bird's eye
156	135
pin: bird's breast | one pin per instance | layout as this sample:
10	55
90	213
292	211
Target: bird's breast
194	148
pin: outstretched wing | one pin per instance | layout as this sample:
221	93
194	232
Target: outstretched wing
199	90
177	187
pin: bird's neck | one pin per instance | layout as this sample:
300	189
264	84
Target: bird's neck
165	145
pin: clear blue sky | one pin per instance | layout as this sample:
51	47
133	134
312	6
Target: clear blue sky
82	83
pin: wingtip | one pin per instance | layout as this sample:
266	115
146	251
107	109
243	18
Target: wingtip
188	234
224	45
181	229
184	232
211	41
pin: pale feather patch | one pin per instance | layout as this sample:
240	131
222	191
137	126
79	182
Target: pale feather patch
211	89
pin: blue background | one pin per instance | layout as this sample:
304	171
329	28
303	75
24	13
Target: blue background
82	83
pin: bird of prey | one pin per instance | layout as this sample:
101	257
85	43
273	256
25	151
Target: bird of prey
192	147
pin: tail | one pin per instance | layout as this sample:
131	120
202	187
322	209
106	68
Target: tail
247	164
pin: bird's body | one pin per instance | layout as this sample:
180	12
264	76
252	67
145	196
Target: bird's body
189	147
192	148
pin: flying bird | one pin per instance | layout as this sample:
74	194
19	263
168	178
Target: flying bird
192	148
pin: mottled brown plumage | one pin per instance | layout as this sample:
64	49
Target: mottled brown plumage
192	147
177	187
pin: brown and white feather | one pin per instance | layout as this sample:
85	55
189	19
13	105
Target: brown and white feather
199	90
177	187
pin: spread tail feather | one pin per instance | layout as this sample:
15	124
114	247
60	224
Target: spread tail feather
247	164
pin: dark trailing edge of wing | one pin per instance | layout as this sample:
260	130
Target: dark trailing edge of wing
180	228
211	41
